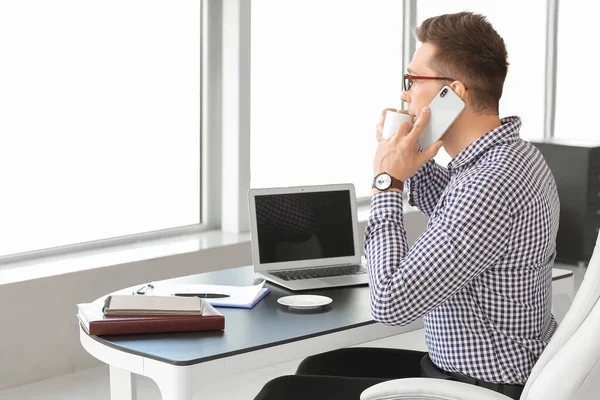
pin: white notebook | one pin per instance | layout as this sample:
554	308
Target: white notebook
152	305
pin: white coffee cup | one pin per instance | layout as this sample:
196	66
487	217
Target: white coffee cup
392	122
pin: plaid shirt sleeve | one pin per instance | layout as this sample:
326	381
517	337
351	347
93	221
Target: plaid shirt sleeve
467	234
426	186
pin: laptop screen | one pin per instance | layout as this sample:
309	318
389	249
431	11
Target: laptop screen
304	226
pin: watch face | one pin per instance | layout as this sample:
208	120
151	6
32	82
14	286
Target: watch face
383	181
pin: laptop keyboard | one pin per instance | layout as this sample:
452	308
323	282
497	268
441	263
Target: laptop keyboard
325	272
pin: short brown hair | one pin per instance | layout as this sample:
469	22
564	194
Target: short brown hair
468	49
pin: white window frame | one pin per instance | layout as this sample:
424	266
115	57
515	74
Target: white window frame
235	115
550	70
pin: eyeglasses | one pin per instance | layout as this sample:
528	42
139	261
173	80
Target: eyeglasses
409	80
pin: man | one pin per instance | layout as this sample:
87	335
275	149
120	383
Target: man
481	273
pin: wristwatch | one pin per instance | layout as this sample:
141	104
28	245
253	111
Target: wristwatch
384	181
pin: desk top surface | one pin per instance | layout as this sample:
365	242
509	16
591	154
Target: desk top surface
267	324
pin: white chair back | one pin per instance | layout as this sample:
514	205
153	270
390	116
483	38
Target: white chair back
569	367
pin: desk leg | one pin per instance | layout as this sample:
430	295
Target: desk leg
174	383
174	390
122	384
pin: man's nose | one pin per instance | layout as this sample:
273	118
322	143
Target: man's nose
405	96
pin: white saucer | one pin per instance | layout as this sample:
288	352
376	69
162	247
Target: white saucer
304	301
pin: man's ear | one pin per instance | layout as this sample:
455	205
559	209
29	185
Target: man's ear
460	89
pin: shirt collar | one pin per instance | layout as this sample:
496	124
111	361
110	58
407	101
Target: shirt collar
506	133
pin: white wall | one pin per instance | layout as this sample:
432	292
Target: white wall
39	336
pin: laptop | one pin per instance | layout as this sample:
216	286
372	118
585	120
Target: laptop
306	237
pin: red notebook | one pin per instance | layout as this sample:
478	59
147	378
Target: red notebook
94	322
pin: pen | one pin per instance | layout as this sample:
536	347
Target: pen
203	295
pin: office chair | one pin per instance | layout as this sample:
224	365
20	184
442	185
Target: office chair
569	367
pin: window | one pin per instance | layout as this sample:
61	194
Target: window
524	88
321	75
100	120
576	93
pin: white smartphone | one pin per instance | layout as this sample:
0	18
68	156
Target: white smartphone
444	109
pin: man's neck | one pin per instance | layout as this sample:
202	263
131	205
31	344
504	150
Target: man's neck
468	128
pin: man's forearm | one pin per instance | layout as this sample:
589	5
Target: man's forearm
385	247
426	186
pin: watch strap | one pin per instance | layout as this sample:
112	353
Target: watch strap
397	184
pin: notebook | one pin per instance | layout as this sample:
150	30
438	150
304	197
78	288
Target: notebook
121	305
306	237
94	322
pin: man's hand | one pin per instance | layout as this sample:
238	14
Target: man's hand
399	155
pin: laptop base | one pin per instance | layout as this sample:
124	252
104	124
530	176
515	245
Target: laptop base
318	283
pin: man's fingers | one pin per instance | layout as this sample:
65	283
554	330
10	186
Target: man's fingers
382	116
379	132
386	110
402	131
431	152
419	124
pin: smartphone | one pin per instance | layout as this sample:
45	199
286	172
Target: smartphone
444	109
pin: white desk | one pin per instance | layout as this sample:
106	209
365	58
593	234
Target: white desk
265	335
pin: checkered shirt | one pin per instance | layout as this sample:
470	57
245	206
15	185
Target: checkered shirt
481	273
